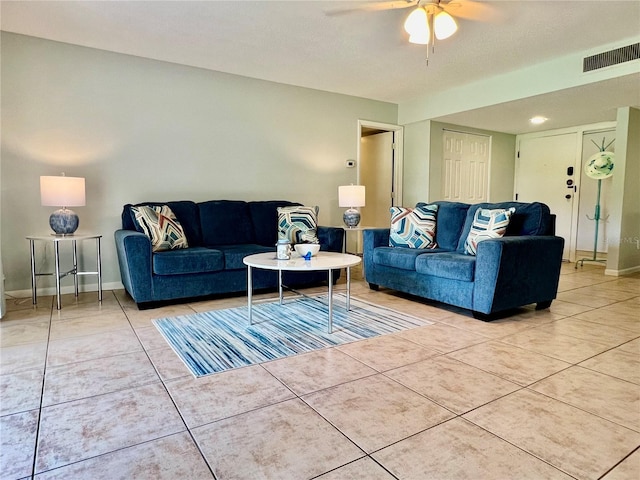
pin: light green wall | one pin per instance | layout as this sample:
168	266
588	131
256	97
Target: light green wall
624	239
416	162
423	162
140	129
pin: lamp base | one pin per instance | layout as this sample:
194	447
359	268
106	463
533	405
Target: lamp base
64	221
351	218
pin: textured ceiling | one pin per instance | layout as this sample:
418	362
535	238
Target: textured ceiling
361	53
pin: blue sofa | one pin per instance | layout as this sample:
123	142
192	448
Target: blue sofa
521	268
220	233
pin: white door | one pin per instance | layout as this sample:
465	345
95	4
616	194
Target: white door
546	172
376	174
465	170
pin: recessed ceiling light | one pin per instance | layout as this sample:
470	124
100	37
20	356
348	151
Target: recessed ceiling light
538	120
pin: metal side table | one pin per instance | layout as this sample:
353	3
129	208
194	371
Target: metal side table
347	230
57	240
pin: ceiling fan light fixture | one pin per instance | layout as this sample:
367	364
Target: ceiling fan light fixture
419	38
444	25
417	23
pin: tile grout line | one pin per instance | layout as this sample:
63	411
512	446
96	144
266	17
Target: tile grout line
40	408
173	402
614	466
531	454
579	408
383	373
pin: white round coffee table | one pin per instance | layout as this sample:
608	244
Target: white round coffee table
328	261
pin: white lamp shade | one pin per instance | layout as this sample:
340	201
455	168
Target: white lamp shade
62	191
444	25
351	196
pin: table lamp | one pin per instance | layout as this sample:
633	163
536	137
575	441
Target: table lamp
351	196
62	192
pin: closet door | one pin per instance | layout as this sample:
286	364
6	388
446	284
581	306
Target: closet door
465	172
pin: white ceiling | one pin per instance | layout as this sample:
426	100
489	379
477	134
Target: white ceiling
361	53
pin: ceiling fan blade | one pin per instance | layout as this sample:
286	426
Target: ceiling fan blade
373	7
471	10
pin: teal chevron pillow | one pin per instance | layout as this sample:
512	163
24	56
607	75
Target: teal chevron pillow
413	227
487	224
161	225
298	224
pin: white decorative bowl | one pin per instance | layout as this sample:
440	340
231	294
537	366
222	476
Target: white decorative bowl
303	248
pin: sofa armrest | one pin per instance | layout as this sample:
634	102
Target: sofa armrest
375	237
135	261
372	238
331	238
515	271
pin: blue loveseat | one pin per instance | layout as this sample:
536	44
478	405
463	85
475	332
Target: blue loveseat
521	268
220	233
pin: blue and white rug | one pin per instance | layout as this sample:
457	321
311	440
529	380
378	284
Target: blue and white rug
219	340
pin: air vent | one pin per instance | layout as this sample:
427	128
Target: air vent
612	57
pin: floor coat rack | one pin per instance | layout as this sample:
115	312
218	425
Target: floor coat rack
599	166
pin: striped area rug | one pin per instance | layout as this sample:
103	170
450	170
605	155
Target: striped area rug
219	340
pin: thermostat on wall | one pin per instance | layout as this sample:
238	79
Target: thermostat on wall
351	163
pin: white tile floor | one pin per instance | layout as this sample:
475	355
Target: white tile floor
93	391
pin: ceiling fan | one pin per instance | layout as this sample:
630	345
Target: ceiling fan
466	9
429	19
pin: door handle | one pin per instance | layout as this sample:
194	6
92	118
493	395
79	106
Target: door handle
568	196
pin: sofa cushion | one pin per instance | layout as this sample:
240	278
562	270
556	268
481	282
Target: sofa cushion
185	211
264	217
487	224
225	222
398	257
528	219
234	254
189	260
454	266
161	226
298	224
450	221
413	227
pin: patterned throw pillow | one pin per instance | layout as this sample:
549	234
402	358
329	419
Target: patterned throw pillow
413	227
298	224
487	224
161	226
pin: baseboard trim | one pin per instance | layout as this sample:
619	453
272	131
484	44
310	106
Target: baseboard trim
620	273
64	290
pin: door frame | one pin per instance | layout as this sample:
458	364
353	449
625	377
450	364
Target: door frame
580	131
398	153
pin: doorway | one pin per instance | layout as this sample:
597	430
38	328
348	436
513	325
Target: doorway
549	169
376	174
379	162
379	170
547	172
